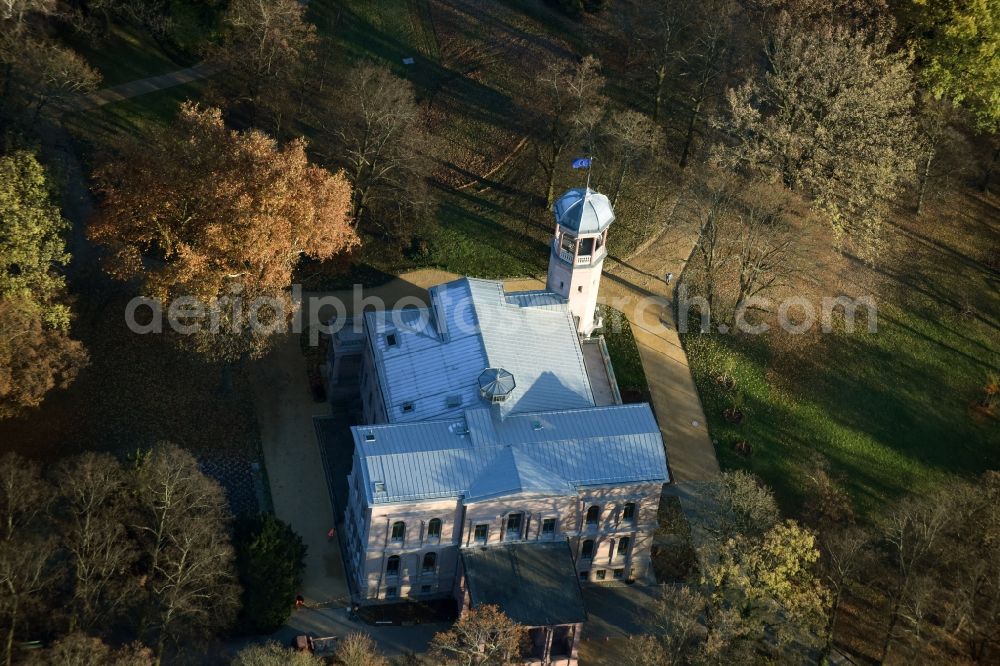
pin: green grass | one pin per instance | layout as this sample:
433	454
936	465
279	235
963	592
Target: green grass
889	410
128	53
624	355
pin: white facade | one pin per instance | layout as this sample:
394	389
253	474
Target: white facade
411	550
577	254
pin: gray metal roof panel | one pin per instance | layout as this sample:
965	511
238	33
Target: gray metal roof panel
547	452
534	583
472	324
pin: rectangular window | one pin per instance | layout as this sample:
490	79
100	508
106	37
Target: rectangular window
584	575
425	589
482	533
407	407
453	401
628	513
548	527
514	526
619	574
391	592
601	573
623	545
390	339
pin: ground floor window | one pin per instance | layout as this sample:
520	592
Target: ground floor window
482	533
619	574
391	592
584	575
548	527
601	573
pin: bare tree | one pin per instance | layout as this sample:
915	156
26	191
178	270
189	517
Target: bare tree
843	554
482	635
26	551
358	649
762	244
79	649
273	654
675	625
376	131
632	136
92	510
182	526
711	198
912	534
934	119
703	63
265	50
569	107
47	73
661	34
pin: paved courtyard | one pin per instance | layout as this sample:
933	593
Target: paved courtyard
285	410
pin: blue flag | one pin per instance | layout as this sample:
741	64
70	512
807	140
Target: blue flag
581	163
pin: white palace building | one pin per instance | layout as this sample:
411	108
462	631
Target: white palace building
497	463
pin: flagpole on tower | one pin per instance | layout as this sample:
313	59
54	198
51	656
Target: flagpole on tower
590	165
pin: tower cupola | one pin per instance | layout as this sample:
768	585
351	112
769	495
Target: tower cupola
578	251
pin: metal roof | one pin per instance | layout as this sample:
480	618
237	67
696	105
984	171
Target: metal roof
483	455
429	359
583	211
535	584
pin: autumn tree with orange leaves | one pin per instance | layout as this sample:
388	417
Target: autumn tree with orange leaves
219	218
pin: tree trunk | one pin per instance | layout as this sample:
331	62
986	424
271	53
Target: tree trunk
661	75
695	112
550	193
621	181
8	649
985	185
924	177
893	620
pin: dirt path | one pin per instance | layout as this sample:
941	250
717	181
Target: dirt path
139	87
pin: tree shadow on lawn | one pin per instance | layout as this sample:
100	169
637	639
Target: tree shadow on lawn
468	98
875	413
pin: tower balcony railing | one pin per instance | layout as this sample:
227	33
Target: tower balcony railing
580	259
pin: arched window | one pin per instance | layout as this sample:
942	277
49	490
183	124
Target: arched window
392	566
593	515
434	528
398	531
587	552
430	560
623	544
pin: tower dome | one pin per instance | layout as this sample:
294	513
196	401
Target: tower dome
583	211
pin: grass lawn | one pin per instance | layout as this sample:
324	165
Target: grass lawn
890	410
101	126
624	355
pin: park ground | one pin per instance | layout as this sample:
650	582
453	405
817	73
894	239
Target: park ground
892	411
